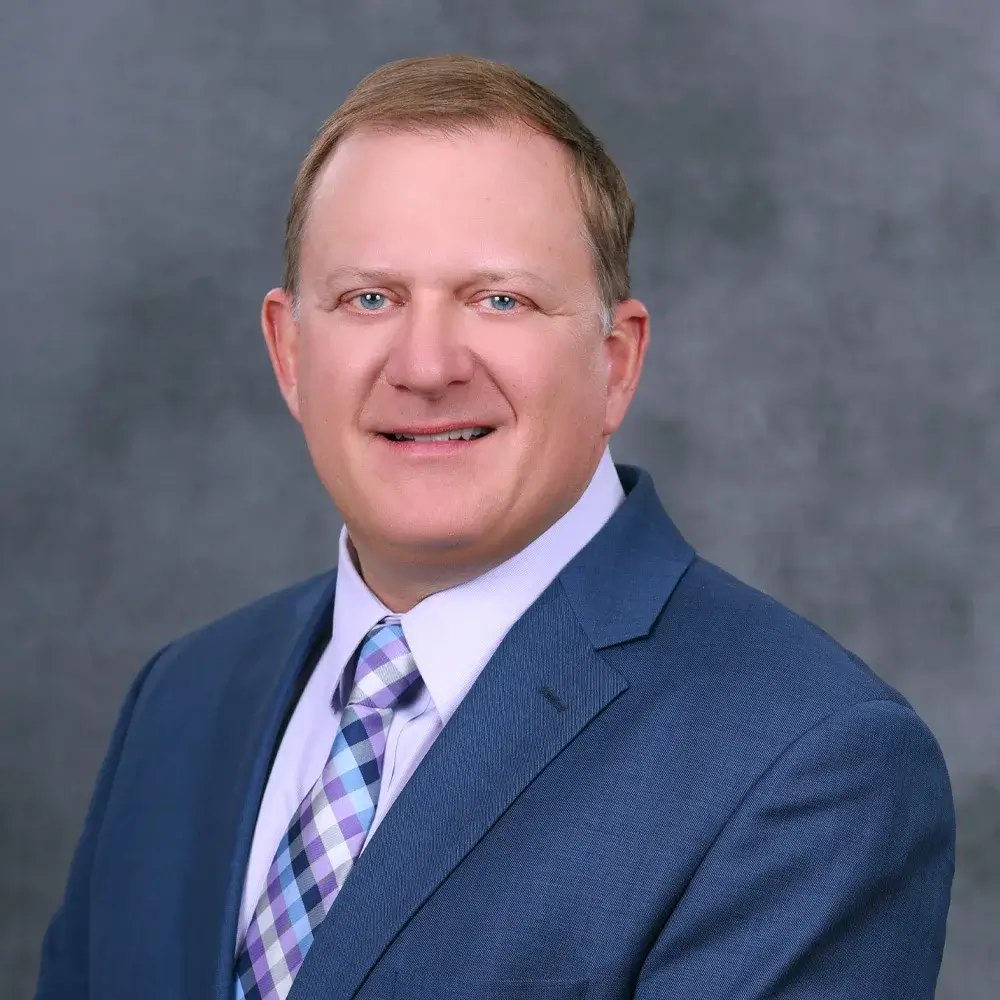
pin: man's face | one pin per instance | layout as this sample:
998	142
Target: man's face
446	282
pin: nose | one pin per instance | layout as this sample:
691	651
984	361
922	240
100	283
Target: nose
428	353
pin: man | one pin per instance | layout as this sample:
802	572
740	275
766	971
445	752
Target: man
524	743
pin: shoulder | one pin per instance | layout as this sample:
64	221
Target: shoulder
730	681
743	675
281	609
730	629
265	627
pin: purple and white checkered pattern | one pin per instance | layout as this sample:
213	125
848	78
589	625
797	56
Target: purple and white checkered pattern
328	831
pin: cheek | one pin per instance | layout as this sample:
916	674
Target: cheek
329	380
545	374
571	392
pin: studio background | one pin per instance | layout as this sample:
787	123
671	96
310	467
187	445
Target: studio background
818	196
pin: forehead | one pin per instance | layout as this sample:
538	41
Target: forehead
395	198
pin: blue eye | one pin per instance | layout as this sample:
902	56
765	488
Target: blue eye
371	301
503	303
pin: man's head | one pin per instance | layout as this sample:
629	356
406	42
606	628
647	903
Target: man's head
456	256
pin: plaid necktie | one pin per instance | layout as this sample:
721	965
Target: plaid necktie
327	833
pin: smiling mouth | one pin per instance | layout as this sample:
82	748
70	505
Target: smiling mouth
467	434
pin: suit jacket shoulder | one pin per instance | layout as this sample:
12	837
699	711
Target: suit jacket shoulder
205	658
741	675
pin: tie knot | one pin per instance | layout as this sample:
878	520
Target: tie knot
386	668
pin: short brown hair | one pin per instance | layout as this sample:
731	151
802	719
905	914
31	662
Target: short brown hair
452	93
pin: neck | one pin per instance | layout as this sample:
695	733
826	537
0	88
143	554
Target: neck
401	587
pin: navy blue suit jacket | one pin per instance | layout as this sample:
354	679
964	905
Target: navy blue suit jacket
663	785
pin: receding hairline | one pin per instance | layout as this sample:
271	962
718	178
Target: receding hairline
461	128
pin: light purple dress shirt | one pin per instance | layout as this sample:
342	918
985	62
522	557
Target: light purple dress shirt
452	635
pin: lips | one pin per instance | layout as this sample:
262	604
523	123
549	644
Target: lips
433	449
437	427
469	433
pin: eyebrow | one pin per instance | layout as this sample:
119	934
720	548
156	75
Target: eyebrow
387	276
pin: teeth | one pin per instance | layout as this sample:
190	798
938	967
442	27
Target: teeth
465	434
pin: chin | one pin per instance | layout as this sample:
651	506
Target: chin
419	526
440	521
434	534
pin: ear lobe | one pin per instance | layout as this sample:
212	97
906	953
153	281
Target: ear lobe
281	335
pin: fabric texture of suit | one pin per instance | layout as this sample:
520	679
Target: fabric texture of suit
664	784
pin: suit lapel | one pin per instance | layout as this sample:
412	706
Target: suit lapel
544	683
541	687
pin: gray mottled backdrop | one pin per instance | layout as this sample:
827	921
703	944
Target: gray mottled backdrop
818	190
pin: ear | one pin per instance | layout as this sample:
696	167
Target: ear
281	334
624	351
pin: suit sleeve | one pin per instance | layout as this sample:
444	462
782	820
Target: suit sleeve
64	960
832	879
